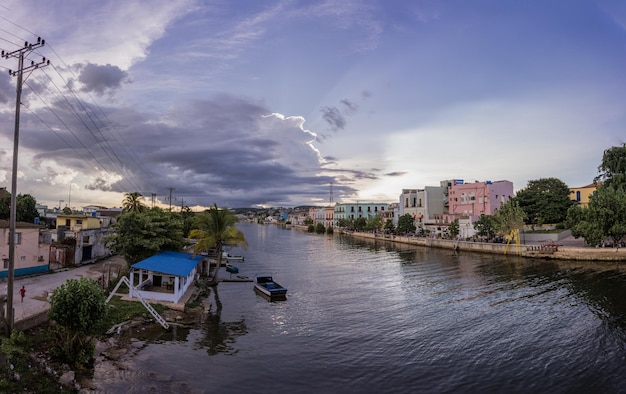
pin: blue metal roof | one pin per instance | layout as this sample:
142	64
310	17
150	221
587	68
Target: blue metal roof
170	263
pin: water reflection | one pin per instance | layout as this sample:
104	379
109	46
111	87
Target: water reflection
218	337
371	316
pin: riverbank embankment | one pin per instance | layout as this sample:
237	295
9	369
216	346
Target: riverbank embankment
558	250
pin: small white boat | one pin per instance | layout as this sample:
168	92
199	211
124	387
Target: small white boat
230	257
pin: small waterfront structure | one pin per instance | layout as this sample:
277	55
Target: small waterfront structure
165	276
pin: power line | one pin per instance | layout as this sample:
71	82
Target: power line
20	54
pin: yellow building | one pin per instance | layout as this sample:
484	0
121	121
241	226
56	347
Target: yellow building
79	222
582	194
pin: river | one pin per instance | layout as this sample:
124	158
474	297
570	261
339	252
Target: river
366	317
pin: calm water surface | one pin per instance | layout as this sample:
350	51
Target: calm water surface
364	317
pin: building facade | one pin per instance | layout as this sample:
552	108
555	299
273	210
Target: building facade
581	194
31	250
478	198
352	211
424	205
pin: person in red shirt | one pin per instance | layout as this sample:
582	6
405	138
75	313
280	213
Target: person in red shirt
23	292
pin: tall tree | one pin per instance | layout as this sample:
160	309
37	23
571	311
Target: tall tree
545	200
374	223
406	224
389	226
215	228
137	236
613	167
133	202
604	217
485	226
454	228
187	216
26	207
509	217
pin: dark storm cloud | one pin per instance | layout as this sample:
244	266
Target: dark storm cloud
99	184
396	173
228	150
336	116
102	79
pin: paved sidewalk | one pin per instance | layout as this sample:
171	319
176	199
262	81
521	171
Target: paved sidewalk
39	287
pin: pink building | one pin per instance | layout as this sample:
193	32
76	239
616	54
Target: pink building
475	199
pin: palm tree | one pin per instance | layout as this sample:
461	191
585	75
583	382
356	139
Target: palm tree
133	202
215	228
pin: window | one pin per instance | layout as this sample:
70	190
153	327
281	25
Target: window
578	195
352	210
6	263
369	209
79	221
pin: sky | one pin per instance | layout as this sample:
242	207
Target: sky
287	103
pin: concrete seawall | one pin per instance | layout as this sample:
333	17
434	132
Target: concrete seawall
557	252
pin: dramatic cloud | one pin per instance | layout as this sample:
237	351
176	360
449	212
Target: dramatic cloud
395	95
226	149
102	79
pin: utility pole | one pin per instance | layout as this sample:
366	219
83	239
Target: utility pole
19	54
171	189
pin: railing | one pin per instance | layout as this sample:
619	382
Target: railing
132	290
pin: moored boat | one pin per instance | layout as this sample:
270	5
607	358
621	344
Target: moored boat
265	284
232	269
228	256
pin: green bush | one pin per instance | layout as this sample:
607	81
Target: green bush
77	306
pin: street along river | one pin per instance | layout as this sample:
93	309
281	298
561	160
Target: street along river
365	317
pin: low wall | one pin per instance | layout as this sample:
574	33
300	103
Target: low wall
561	253
31	321
545	237
39	269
